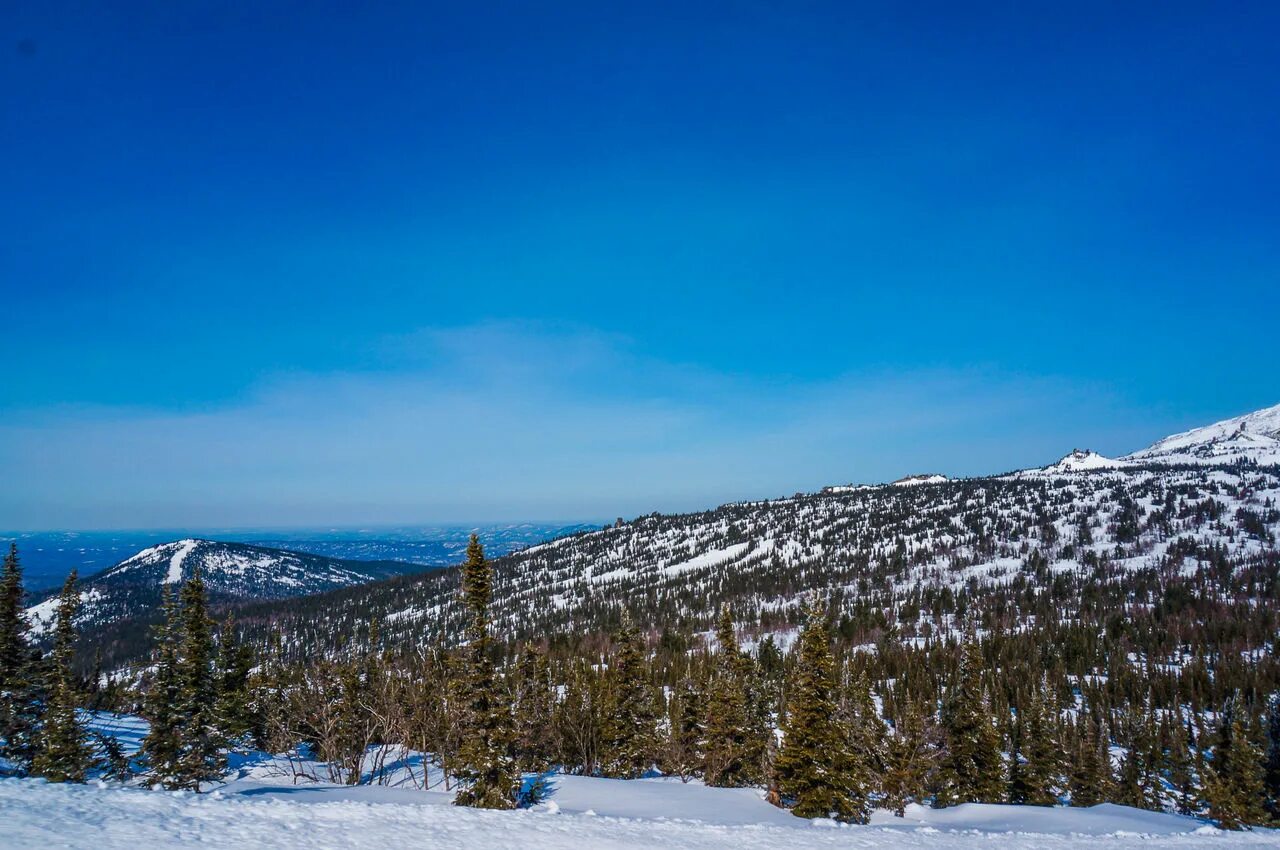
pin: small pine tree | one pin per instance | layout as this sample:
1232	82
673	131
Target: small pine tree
485	765
972	769
725	747
628	734
64	754
817	773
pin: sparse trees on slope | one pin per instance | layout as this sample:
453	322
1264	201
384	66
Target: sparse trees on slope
485	762
64	754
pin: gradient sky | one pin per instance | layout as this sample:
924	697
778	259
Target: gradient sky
327	263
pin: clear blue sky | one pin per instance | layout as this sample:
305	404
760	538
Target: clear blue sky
306	263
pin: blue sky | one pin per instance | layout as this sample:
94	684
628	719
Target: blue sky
308	264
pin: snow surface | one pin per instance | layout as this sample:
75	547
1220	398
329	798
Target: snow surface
185	548
582	812
1254	436
916	480
267	804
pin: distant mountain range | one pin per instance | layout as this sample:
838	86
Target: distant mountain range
231	571
1208	496
47	557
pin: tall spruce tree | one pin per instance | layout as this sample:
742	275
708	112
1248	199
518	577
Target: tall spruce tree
972	769
162	744
485	763
64	754
817	773
21	692
628	737
725	747
200	757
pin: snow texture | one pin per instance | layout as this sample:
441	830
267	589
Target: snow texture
582	812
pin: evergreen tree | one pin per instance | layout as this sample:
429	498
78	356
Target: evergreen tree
200	757
687	731
162	744
866	730
725	747
817	773
64	754
532	703
1090	778
629	726
1236	790
235	715
972	769
1272	780
1038	775
909	761
20	687
1178	764
485	764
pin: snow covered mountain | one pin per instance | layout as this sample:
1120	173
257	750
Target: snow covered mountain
891	555
918	559
230	571
1254	437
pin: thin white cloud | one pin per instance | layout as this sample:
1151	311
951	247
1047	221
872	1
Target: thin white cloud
505	421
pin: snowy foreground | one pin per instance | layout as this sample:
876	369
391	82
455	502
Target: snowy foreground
592	813
265	804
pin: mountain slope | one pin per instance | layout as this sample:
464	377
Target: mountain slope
1253	437
231	571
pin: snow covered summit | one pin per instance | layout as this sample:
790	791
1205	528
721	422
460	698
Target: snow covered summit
1252	437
